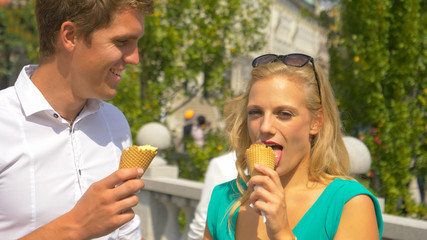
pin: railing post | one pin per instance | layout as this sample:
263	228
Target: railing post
188	207
171	229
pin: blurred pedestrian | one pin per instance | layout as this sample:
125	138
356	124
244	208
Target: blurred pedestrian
198	131
188	122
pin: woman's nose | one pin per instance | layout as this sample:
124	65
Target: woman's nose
267	124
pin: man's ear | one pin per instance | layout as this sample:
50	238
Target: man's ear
316	122
68	36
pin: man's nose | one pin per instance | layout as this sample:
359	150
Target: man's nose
132	57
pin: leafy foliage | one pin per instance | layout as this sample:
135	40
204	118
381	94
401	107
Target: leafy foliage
378	68
18	30
194	161
189	45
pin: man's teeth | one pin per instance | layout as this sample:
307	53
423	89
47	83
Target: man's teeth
118	73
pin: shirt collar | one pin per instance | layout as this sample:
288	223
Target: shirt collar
33	101
91	107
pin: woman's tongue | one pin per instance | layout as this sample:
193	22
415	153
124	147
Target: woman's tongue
278	151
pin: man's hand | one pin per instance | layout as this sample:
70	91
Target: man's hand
105	206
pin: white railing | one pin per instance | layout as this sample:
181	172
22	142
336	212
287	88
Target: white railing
403	228
164	198
161	202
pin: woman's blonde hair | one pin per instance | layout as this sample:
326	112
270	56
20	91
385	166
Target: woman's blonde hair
329	158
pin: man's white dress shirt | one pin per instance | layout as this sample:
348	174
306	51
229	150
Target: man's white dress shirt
46	165
220	169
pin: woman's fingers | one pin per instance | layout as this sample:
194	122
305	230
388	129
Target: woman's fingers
270	191
269	178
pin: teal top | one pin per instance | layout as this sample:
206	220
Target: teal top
319	222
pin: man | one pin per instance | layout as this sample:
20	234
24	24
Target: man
60	143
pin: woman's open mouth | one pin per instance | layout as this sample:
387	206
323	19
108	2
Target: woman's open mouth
278	150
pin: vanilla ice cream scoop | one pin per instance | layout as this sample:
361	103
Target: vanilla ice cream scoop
138	156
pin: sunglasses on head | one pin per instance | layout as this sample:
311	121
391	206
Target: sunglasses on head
293	60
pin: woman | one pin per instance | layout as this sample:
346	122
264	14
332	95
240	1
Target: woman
290	106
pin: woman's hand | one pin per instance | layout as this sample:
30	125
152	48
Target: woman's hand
273	204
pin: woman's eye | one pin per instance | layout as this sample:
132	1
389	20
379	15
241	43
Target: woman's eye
254	112
285	115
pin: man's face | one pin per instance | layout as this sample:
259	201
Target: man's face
96	68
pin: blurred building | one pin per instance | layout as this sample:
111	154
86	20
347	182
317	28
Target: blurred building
287	32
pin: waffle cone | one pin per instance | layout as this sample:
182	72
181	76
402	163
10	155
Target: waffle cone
261	155
138	156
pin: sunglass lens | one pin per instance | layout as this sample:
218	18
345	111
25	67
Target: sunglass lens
296	60
261	60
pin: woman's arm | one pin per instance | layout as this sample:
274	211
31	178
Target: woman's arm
358	220
207	235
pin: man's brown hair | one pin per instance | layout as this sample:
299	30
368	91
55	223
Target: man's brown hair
88	15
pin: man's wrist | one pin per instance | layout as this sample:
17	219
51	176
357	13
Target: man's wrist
61	228
74	227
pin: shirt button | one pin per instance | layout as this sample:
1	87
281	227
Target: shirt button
55	115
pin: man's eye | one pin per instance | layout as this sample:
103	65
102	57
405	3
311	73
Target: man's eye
121	42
